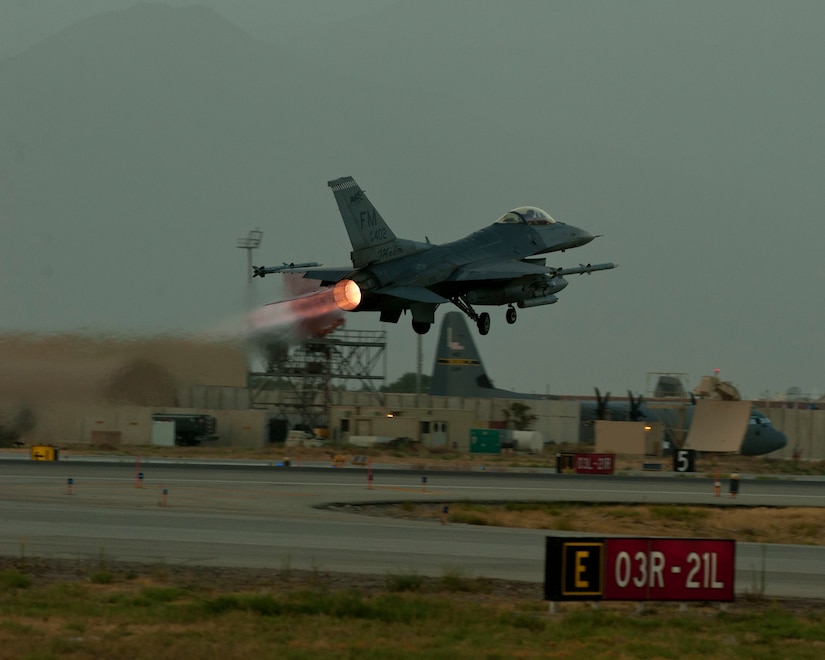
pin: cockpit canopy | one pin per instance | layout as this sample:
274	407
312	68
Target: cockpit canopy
759	418
530	215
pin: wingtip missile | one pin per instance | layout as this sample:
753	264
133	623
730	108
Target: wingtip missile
582	269
263	271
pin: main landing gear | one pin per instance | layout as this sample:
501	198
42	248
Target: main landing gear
483	323
482	320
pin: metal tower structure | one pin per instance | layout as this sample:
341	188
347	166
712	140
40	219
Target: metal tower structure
302	380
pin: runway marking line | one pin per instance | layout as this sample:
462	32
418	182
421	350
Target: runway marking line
410	489
568	491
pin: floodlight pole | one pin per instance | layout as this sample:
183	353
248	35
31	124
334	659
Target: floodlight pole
418	362
251	242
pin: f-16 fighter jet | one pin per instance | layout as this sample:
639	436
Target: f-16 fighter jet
496	265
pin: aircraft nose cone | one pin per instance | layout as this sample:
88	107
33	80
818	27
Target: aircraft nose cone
780	440
560	236
582	237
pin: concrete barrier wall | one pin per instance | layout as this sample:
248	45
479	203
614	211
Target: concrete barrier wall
214	398
74	424
557	421
60	424
805	429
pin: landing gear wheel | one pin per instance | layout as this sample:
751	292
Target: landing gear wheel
511	315
421	327
483	323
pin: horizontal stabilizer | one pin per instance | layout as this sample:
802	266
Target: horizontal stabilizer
326	275
414	293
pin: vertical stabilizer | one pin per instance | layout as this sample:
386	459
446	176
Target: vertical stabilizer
372	240
458	369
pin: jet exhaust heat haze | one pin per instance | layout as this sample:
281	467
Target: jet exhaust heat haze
311	312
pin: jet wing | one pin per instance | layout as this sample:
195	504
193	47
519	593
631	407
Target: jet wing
498	269
513	268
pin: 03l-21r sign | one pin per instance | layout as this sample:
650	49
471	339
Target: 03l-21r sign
639	569
595	463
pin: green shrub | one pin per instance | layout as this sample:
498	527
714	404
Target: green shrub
403	582
102	576
678	513
13	579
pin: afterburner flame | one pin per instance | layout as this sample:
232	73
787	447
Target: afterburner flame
311	315
347	295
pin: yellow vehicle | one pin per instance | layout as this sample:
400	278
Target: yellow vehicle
45	453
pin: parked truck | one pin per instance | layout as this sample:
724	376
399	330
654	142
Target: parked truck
190	429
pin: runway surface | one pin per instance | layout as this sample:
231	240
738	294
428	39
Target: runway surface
267	517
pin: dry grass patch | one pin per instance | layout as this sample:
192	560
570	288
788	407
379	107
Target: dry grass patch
60	613
796	525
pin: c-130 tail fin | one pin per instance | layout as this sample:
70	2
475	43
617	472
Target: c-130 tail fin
458	369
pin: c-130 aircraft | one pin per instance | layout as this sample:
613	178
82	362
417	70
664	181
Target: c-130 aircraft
492	266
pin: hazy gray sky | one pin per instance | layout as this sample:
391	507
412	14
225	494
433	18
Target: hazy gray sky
138	142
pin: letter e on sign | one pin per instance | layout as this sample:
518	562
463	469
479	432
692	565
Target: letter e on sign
574	568
582	568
